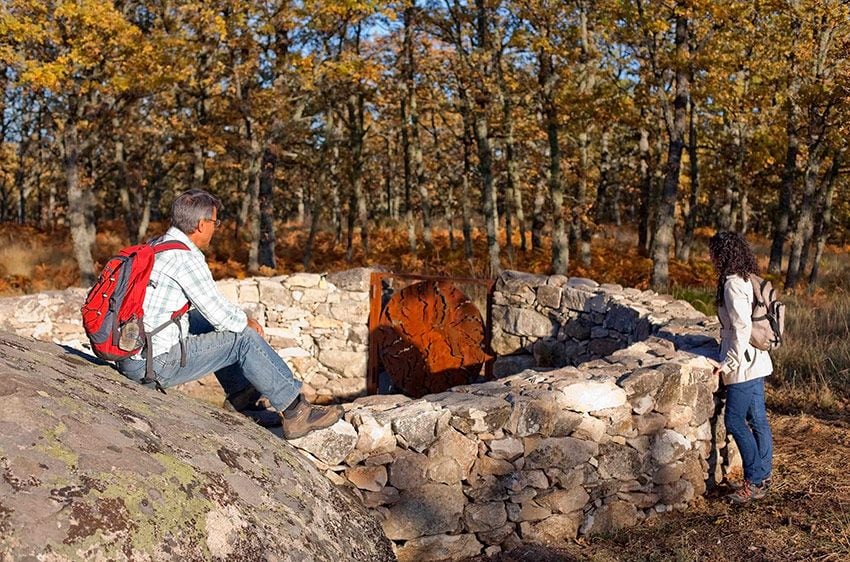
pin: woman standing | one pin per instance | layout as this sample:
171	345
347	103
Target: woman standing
742	366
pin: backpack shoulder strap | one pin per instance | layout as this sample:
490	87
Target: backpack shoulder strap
169	245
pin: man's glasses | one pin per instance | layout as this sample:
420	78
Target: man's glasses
216	221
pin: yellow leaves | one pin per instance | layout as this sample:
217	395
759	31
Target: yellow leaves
83	45
47	76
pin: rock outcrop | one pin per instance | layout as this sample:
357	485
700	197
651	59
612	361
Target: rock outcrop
94	467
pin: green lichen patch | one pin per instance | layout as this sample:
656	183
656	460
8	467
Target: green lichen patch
125	512
53	447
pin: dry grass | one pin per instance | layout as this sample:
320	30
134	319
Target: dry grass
33	261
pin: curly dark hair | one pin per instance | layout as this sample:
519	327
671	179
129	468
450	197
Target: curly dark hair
731	254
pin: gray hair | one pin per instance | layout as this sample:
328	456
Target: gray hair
191	207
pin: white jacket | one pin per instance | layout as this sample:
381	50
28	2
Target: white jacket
739	361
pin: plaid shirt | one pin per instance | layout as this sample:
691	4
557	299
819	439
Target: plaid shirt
179	276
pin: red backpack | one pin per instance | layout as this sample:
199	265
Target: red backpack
112	312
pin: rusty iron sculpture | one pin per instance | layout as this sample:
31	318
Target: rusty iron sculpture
429	337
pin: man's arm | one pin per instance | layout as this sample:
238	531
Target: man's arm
196	280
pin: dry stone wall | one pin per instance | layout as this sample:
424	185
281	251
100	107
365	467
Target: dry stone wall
318	323
604	412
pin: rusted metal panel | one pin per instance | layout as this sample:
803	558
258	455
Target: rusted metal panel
428	337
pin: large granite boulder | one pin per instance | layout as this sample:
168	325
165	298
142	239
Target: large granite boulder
94	467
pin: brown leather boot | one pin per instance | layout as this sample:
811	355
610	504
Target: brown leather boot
301	417
251	404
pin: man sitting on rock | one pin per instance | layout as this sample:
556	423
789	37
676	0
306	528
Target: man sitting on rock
221	338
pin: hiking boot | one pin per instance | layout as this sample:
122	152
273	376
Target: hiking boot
747	492
245	399
301	417
738	484
249	402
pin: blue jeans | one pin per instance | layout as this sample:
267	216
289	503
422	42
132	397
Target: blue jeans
237	359
746	420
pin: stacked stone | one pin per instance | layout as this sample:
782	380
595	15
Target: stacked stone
318	323
555	321
535	457
51	316
604	414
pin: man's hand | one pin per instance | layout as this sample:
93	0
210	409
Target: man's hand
718	371
254	325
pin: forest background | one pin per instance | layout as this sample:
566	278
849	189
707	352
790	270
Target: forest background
605	139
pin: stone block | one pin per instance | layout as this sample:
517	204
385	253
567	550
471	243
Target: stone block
524	479
543	416
387	496
591	429
587	396
679	417
272	292
350	364
549	296
415	422
504	343
440	547
485	517
579	329
374	438
487	488
320	322
355	313
678	492
550	352
407	471
641	382
622	319
704	406
603	347
372	478
451	457
429	509
619	461
669	446
532	511
475	414
511	364
357	279
561	452
229	289
669	473
611	517
330	445
249	293
556	530
525	322
508	448
487	465
510	281
303	280
650	423
565	501
498	535
575	299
